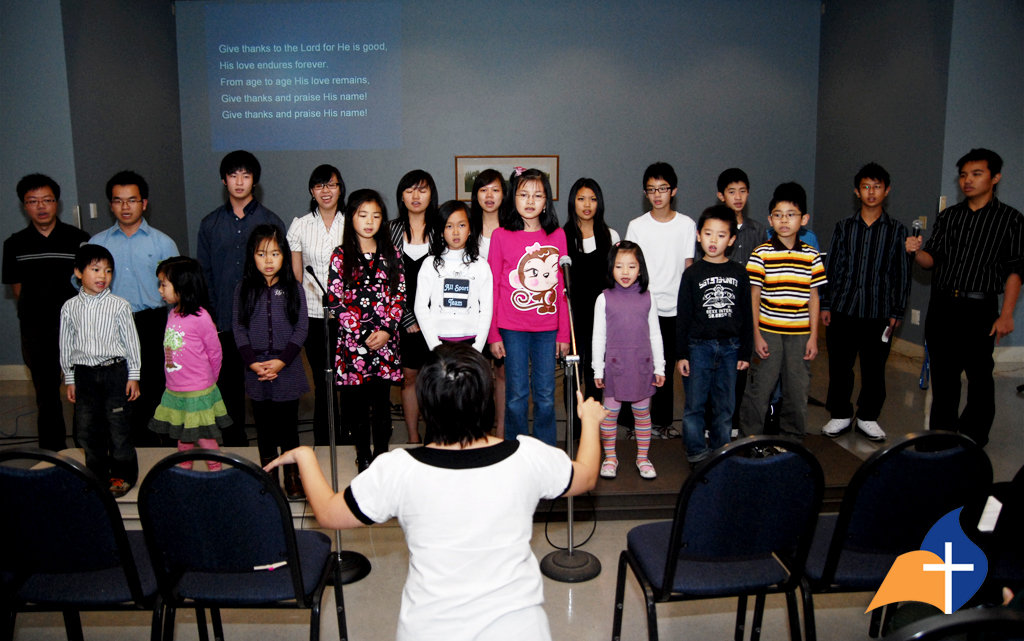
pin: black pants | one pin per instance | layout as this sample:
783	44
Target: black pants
151	325
40	347
662	403
277	426
957	334
103	421
231	384
357	401
317	358
845	338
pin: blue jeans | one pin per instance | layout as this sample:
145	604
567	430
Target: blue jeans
712	377
529	366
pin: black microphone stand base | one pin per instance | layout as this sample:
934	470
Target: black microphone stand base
349	567
570	567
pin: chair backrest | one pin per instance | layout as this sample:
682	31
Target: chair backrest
58	519
733	507
898	493
227	521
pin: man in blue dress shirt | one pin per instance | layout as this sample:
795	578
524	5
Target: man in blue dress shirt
137	249
223	239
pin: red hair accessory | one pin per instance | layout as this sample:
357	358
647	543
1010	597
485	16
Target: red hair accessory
520	170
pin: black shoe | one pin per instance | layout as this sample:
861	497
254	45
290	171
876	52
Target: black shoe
362	462
759	451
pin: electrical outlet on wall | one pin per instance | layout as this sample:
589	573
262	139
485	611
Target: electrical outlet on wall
915	317
92	210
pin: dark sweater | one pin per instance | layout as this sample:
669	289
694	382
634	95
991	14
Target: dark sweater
714	303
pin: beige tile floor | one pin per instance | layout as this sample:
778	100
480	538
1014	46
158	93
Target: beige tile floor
580	611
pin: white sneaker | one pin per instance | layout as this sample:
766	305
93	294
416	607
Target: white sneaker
871	430
735	434
837	426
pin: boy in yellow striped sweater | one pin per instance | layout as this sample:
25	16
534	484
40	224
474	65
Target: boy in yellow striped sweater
784	275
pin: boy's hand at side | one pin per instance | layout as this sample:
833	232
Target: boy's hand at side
760	345
742	365
684	367
812	348
659	380
132	390
826	318
71	393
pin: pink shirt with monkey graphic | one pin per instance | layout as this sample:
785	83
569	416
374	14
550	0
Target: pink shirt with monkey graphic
528	287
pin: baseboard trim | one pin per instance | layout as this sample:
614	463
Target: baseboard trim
14	373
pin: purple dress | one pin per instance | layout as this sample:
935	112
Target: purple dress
628	362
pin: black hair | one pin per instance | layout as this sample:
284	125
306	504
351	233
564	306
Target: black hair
995	162
627	246
415	178
88	254
573	235
730	176
350	240
438	245
32	182
455	392
323	174
873	171
510	218
717	212
186	277
661	171
240	160
125	178
253	281
484	178
789	193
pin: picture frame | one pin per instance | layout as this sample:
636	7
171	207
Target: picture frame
467	168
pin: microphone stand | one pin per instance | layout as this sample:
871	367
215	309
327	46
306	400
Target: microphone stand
570	565
347	566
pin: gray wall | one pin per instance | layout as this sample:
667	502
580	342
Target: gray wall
123	83
35	127
609	87
882	98
985	106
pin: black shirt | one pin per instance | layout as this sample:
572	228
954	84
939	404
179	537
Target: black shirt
43	265
714	303
976	251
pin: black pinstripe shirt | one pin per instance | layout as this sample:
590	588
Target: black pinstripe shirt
868	269
976	251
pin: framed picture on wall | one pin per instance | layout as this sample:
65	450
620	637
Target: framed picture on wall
467	168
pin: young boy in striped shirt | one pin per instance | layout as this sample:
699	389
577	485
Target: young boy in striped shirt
99	353
785	273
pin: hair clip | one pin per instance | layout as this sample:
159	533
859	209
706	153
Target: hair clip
520	170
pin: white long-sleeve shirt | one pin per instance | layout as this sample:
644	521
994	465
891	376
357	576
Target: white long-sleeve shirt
95	329
455	300
601	337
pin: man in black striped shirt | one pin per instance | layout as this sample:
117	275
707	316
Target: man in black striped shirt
868	285
977	252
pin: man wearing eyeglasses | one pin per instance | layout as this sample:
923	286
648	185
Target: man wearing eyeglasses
137	249
38	264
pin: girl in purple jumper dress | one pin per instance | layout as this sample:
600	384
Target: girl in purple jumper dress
627	356
270	325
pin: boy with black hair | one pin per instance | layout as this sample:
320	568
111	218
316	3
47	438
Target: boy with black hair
977	251
733	190
868	286
38	263
785	274
668	240
99	353
715	333
223	238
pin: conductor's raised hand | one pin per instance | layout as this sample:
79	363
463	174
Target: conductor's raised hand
589	409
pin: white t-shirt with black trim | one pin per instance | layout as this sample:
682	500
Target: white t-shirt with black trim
468	519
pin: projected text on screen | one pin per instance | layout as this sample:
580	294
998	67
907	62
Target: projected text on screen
304	76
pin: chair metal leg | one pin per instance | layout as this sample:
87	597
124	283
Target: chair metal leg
755	632
890	610
10	618
314	621
204	634
809	630
158	616
218	627
876	623
339	601
73	625
620	589
169	623
794	615
741	618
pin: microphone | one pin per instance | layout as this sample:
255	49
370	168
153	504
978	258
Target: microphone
565	262
309	270
917	227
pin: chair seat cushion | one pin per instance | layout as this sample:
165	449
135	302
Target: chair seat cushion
264	586
92	589
857	570
649	544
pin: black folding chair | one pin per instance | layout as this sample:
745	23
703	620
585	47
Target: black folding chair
64	546
742	526
892	501
987	624
225	540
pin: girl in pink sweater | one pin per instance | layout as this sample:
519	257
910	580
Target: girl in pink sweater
191	409
530	324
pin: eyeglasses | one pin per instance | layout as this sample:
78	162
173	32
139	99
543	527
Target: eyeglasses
657	190
117	202
323	186
789	216
35	202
